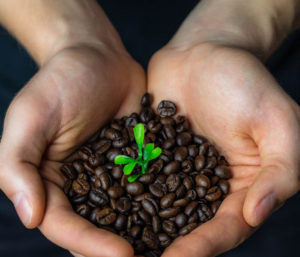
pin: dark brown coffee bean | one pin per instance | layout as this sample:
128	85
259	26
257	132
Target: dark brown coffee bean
164	240
136	206
182	127
144	216
168	144
117	172
121	222
141	197
68	171
146	114
123	205
146	178
224	186
99	170
146	100
124	181
167	200
180	192
115	192
213	194
181	202
203	181
203	148
85	152
207	172
93	216
136	219
83	210
171	167
166	109
156	189
215	206
183	139
116	124
180	153
150	239
181	220
102	146
187	229
193	218
81	186
201	191
167	121
83	176
173	182
131	122
148	206
169	212
79	199
78	166
169	227
193	150
98	197
204	213
191	194
214	180
199	162
199	139
135	231
188	183
223	172
139	247
106	216
169	131
211	162
113	203
112	134
112	153
105	181
153	126
88	167
156	226
135	188
67	186
190	208
129	152
212	151
120	142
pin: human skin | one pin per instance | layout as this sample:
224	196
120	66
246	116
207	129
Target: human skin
86	78
213	70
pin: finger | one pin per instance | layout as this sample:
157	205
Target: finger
65	228
225	231
279	176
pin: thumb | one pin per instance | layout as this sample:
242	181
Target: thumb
21	149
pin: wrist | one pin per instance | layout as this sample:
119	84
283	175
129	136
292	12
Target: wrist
258	26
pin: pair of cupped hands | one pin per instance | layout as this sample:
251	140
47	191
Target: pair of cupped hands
228	96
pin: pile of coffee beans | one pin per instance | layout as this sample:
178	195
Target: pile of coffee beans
182	188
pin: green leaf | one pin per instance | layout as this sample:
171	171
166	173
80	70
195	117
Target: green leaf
123	159
155	153
147	151
128	168
139	133
133	178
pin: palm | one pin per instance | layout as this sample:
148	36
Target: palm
228	96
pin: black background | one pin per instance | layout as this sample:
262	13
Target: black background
145	26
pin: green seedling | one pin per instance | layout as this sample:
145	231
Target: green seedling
145	155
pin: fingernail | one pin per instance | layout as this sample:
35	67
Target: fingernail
264	208
23	208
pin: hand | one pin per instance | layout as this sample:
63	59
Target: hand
230	98
69	99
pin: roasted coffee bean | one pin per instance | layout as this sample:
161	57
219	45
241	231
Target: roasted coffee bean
223	172
173	182
81	186
139	246
153	126
135	188
141	197
112	153
119	142
215	206
93	216
117	172
167	121
151	137
212	151
83	210
115	125
156	189
181	220
146	114
203	181
193	150
131	122
214	180
191	194
105	181
166	109
106	216
180	192
102	146
96	160
203	148
136	219
123	205
136	206
207	172
199	162
188	183
167	200
213	194
68	171
171	167
115	191
67	186
89	168
204	213
124	180
180	153
144	216
164	240
169	143
113	203
169	227
148	206
224	186
98	197
156	226
112	134
83	176
146	100
199	139
79	199
181	202
190	208
187	229
85	152
169	131
146	178
182	127
78	166
166	156
99	170
183	139
135	231
201	191
150	239
186	166
193	218
169	212
211	162
129	152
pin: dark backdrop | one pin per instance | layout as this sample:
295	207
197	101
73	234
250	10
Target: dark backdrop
145	26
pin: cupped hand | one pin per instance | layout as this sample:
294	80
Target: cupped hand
230	98
65	103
